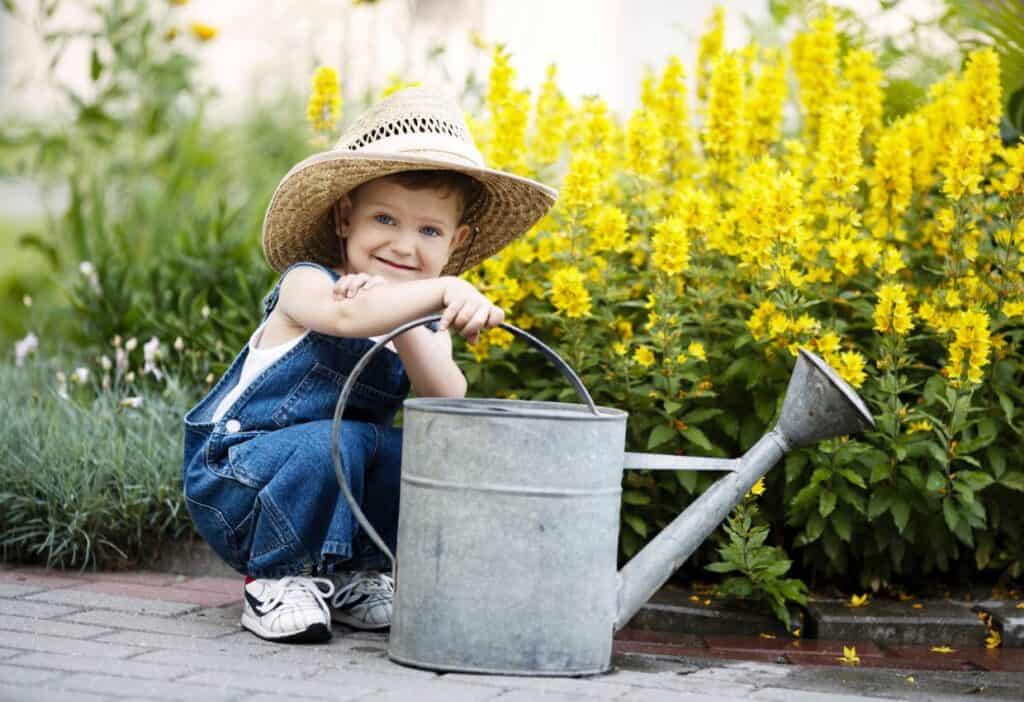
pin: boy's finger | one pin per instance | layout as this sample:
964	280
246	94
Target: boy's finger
468	311
496	317
476	322
449	314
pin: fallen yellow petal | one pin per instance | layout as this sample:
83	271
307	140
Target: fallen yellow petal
917	606
910	679
1020	605
942	649
849	656
858	600
767	636
994	639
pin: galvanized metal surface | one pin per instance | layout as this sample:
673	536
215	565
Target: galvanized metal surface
509	520
507	537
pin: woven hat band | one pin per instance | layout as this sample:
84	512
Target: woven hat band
440	147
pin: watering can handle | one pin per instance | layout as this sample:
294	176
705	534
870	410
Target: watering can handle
350	382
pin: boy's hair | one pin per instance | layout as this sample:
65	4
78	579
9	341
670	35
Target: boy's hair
464	187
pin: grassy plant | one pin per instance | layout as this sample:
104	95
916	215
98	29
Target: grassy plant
86	478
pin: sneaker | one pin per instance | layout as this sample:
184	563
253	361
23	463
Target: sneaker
289	610
363	600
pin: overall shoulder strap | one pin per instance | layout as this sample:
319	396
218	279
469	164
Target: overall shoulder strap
270	301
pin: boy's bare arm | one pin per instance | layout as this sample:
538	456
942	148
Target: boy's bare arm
427	357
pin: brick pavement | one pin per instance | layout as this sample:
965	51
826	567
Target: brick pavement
153	636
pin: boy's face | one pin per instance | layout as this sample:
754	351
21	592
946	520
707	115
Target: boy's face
398	233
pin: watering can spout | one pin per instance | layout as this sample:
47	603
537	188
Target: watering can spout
818	405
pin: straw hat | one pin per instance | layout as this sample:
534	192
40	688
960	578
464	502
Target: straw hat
413	129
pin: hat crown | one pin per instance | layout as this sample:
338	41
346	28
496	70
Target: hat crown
414	121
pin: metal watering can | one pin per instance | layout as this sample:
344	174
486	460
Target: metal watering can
509	519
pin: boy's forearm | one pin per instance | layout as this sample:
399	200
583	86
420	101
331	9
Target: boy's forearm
429	364
380	309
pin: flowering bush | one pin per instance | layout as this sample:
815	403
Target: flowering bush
683	266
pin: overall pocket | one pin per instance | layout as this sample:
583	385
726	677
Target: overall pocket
315	397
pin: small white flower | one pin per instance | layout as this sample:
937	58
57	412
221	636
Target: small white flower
151	350
106	381
61	378
24	347
121	359
209	378
133	402
27	301
205	311
129	377
86	268
80	375
62	385
131	344
105	362
179	344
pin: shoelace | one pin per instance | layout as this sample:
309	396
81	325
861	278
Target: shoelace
295	583
377	585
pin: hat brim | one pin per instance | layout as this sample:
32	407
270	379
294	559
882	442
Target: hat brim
297	228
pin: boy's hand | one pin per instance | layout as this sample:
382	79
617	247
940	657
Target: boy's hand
350	285
467	311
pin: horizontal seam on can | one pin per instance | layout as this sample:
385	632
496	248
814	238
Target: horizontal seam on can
510	489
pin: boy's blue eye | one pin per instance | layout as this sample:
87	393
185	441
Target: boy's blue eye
431	231
384	218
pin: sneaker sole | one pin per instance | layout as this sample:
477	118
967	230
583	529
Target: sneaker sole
315	633
357	623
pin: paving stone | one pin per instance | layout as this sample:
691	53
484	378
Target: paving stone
51	579
813	651
541	696
144	622
895	623
603	687
94	664
157	592
136	688
923	658
776	694
210	583
16	675
229	662
651	695
195	644
308	687
437	691
19	589
38	610
138	577
51	627
71	647
1009	660
82	598
626	648
17	693
230	616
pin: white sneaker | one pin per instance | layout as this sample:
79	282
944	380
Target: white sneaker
289	610
363	600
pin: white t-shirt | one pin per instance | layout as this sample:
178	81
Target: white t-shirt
258	361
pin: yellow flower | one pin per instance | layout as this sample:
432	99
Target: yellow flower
1013	308
324	106
582	183
972	345
671	246
757	489
203	32
723	133
964	163
645	154
608	230
923	425
568	293
709	49
858	600
681	359
619	348
993	640
849	656
892	313
500	338
851	368
552	119
942	649
696	349
644	356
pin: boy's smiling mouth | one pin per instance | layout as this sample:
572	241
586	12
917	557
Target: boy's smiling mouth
394	265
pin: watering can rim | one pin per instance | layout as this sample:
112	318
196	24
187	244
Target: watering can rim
840	384
472	406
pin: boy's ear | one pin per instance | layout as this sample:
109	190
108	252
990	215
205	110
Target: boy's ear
461	233
342	214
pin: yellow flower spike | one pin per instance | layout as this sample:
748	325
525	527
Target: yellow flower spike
324	107
696	349
568	293
942	649
849	656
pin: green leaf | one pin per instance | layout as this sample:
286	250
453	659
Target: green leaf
95	67
1013	479
996	460
900	509
698	437
814	527
879	503
721	567
936	481
671	407
688	479
950	513
635	497
636	524
852	476
826	503
1007	405
701	415
975	479
660	434
841	523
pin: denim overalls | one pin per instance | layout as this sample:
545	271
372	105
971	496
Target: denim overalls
260	482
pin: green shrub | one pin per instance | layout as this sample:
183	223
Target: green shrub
86	478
